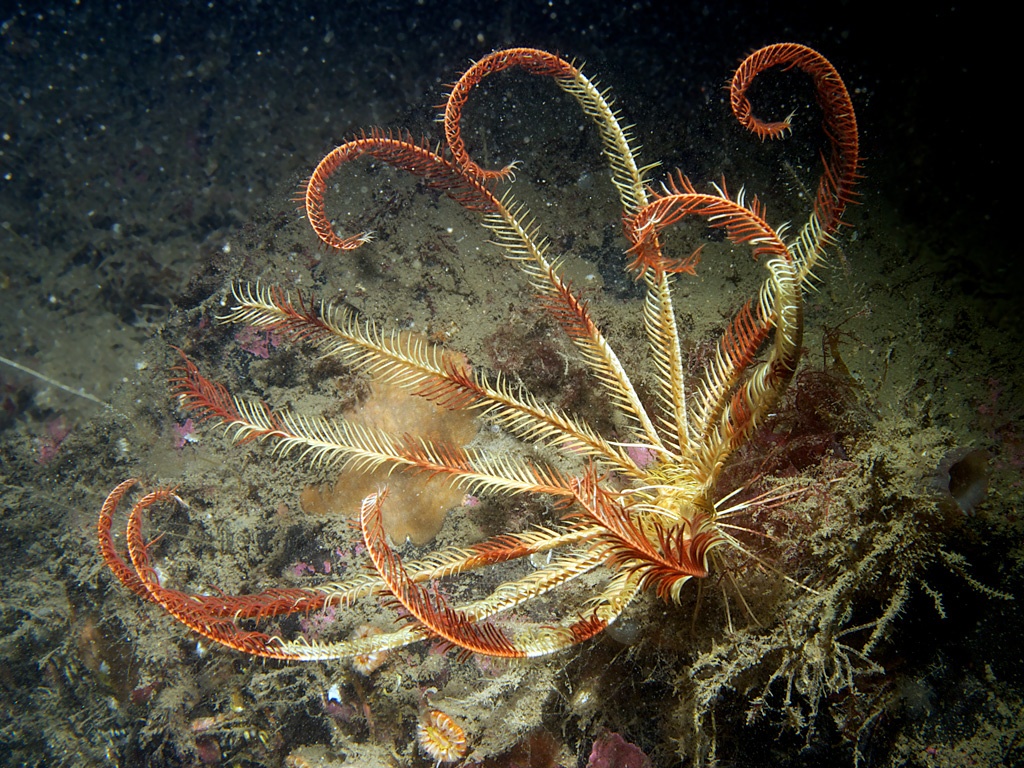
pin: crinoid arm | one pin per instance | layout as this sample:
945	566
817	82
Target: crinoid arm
470	627
423	369
217	617
841	171
124	572
617	142
399	150
521	243
360	447
213	617
728	405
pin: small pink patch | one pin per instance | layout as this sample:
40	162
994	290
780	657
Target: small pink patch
184	433
641	455
208	751
48	446
257	341
613	751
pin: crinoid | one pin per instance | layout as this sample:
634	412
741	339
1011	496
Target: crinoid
627	524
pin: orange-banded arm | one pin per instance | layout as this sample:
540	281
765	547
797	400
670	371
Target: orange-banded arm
841	171
398	150
212	616
531	60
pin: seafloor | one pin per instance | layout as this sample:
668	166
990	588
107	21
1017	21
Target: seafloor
149	157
